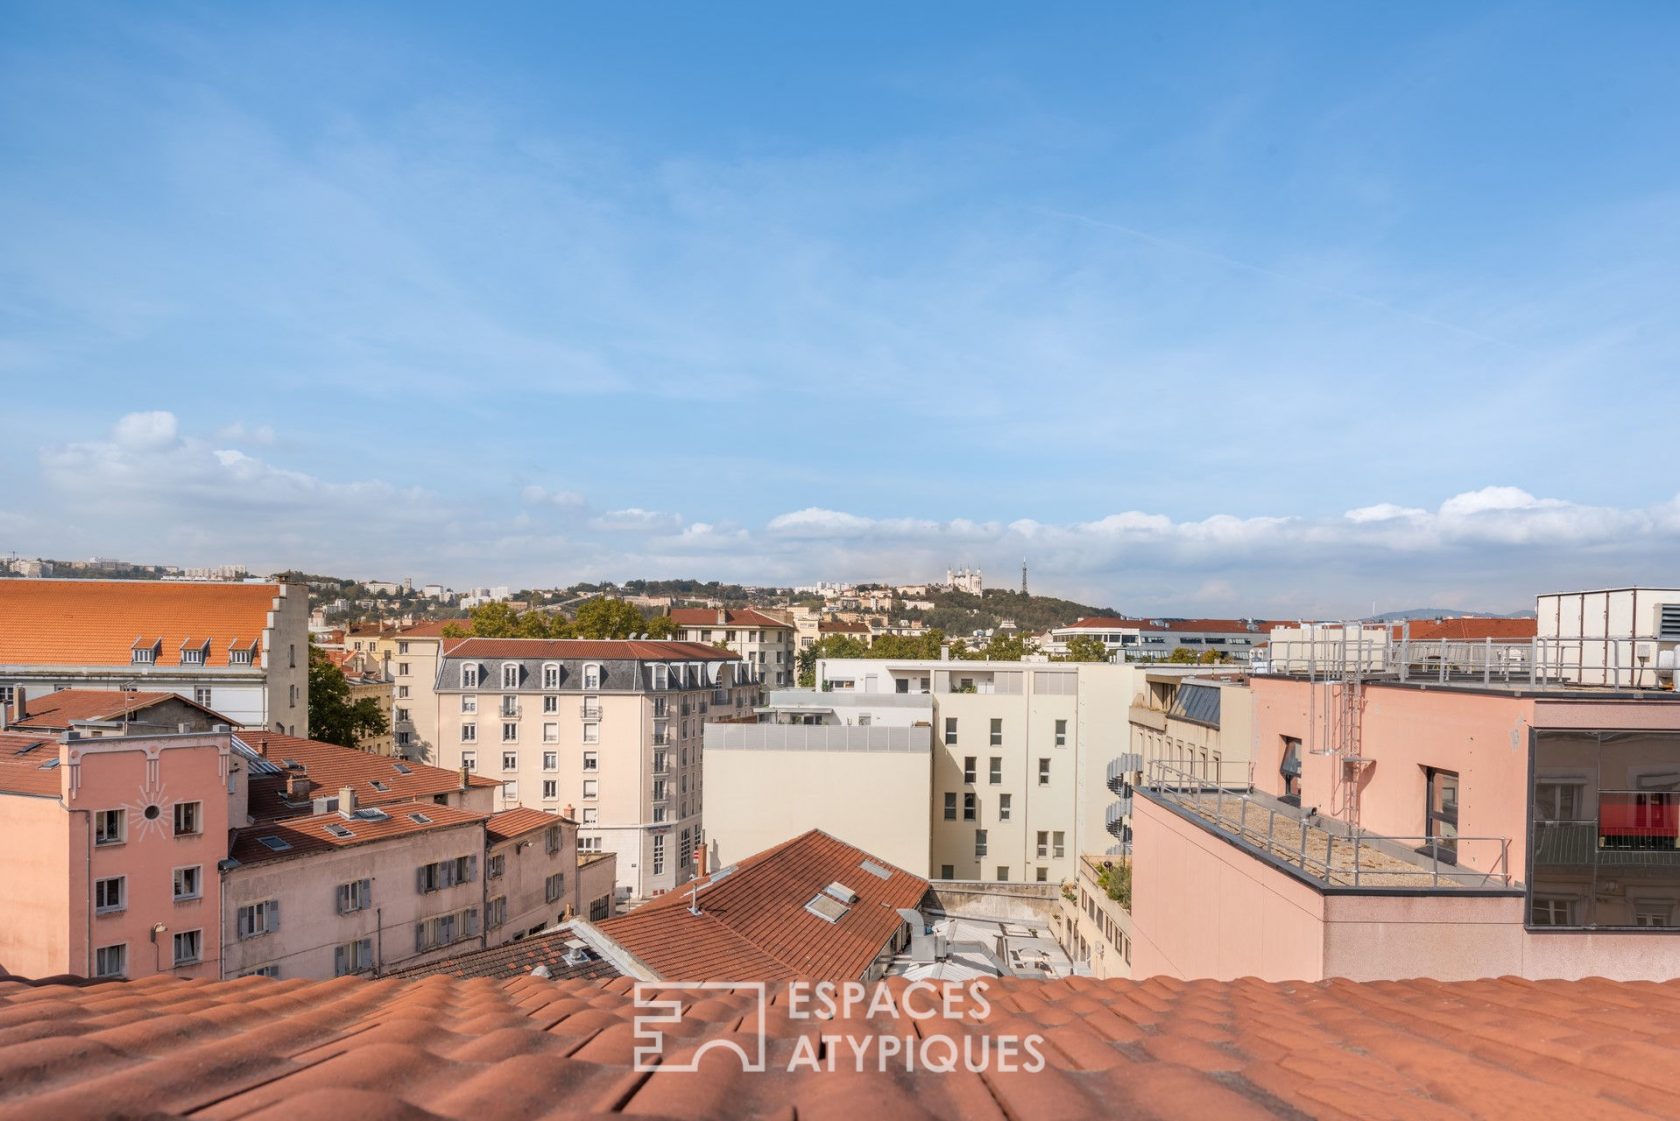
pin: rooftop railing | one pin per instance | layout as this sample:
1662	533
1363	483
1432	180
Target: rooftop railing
1324	850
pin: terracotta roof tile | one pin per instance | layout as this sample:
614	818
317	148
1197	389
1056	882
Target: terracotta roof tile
1468	628
56	711
27	765
447	1049
519	821
98	622
328	768
322	832
754	925
735	617
517	959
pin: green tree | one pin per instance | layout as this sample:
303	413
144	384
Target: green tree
924	645
1086	648
1116	880
1000	648
333	716
830	646
608	618
661	626
1183	656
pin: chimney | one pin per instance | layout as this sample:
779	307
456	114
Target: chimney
723	616
700	860
297	786
347	800
20	705
569	812
464	774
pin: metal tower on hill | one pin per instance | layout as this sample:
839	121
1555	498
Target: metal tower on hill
1023	575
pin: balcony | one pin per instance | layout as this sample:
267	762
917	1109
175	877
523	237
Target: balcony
590	712
1147	716
1321	850
510	708
1121	770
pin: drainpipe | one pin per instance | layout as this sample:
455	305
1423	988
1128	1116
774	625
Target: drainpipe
87	858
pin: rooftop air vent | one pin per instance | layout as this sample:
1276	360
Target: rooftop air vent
338	830
841	892
371	813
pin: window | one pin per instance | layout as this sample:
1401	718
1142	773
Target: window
1558	801
971	808
189	882
947	871
950	807
403	739
555	840
551	704
469	733
979	842
1003	873
1290	770
1005	806
402	692
110	827
257	919
997	731
968	769
111	961
590	813
469	703
356	895
1059	847
510	760
600	908
469	676
143	655
193	655
239	657
661	676
591	676
469	759
551	677
445	929
510	675
1042	875
402	669
495	865
189	947
495	912
201	694
555	887
402	648
591	788
592	760
110	895
551	732
510	731
510	706
1552	911
400	715
1061	733
510	790
445	873
1043	843
950	731
551	760
353	957
550	789
996	772
189	818
658	855
1044	772
1653	913
1441	816
591	733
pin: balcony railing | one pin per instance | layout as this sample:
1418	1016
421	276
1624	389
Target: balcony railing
590	712
1325	850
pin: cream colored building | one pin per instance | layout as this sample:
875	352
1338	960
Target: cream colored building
759	637
1020	758
857	765
611	727
1093	927
412	654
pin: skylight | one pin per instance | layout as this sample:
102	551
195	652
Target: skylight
875	869
338	830
278	844
419	818
380	786
826	908
403	768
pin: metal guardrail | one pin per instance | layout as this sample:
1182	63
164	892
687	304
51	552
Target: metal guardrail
1328	851
1621	661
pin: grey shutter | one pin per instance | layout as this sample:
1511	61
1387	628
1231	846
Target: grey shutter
420	879
472	869
273	914
364	891
419	936
338	961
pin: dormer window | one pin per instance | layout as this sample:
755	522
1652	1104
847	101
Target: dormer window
510	675
195	655
591	676
469	676
242	655
145	651
551	676
661	675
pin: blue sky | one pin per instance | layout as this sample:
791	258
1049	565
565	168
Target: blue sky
1200	308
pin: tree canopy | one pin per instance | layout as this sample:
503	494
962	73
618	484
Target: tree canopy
333	716
1086	648
601	617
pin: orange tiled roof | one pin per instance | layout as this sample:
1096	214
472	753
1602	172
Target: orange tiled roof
838	626
738	617
1178	626
517	822
433	628
21	770
605	649
1468	628
322	832
753	924
58	710
98	622
328	768
441	1049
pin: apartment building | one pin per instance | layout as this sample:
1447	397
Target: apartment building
759	637
612	727
369	679
1449	808
859	763
239	649
411	655
1157	639
1018	776
105	712
1092	922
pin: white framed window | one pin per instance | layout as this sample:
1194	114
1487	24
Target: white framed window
592	760
201	694
589	815
469	675
189	882
189	819
591	788
510	760
402	692
510	731
551	760
189	947
510	675
110	827
551	704
591	676
355	895
194	655
469	733
143	655
550	788
551	676
469	760
402	669
551	732
353	957
110	895
111	961
510	790
658	855
661	675
591	733
469	702
256	919
240	657
510	705
402	647
589	844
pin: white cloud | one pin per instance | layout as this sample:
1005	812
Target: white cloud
534	495
239	432
635	518
145	431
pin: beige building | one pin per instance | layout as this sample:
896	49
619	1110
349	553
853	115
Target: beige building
1195	722
612	727
839	762
759	637
1093	926
411	655
1019	762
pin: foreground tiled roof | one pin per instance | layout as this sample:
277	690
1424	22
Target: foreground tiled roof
754	926
329	768
58	710
605	649
737	617
97	622
359	1050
